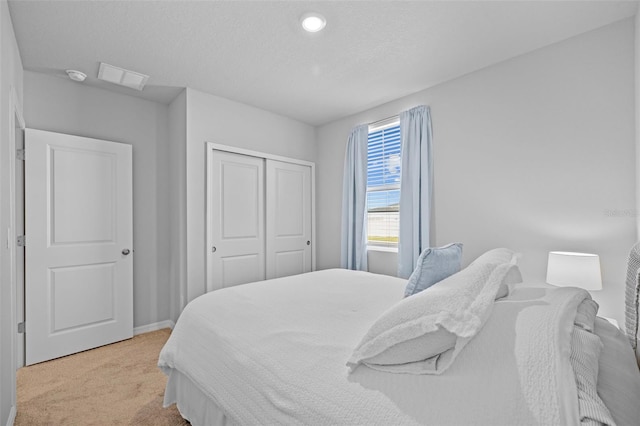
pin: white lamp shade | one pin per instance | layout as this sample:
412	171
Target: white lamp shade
566	269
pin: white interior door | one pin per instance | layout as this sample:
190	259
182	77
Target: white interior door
79	256
288	246
236	219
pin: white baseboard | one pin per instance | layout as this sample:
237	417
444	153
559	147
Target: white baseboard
153	327
12	416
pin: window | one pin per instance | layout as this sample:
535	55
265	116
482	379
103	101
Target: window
383	184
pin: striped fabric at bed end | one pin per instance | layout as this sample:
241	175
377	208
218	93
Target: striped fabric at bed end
585	353
631	296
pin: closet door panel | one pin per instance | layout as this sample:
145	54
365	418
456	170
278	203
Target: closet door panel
288	197
236	206
290	263
241	269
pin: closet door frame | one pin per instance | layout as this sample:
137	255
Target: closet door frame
211	146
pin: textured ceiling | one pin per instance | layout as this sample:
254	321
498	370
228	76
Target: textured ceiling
255	52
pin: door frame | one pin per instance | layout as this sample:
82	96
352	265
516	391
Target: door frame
211	146
17	292
17	121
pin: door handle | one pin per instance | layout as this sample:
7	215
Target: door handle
308	242
126	251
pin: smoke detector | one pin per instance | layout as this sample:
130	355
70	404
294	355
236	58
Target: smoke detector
76	75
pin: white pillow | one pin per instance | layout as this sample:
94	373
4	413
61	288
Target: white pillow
421	326
513	277
500	256
417	349
586	315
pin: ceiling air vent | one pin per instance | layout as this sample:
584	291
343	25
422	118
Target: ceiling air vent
126	78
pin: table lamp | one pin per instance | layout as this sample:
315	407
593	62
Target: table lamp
567	269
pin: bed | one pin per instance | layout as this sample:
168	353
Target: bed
276	352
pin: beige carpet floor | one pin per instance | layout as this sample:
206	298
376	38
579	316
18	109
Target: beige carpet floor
117	384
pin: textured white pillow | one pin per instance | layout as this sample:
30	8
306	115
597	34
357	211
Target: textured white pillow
586	315
417	349
500	256
513	277
420	327
497	255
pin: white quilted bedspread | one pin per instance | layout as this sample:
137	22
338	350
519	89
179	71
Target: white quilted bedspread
274	352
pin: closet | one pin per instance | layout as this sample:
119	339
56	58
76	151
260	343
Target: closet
260	217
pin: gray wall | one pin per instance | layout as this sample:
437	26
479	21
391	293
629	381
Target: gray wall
63	106
214	119
10	78
536	153
177	195
637	115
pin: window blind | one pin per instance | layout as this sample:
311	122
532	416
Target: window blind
383	164
383	184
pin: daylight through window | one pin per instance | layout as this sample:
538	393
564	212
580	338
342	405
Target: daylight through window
383	184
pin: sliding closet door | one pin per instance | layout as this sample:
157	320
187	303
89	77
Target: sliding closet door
236	219
288	193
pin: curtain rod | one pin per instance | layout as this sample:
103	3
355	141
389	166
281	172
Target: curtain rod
384	122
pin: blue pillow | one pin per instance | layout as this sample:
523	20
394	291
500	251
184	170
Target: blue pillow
434	265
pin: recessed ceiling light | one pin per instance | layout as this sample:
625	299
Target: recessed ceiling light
76	75
121	76
313	22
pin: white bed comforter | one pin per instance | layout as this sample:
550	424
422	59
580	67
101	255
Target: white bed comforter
274	352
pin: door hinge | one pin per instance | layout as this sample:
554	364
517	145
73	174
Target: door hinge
21	327
20	154
21	241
